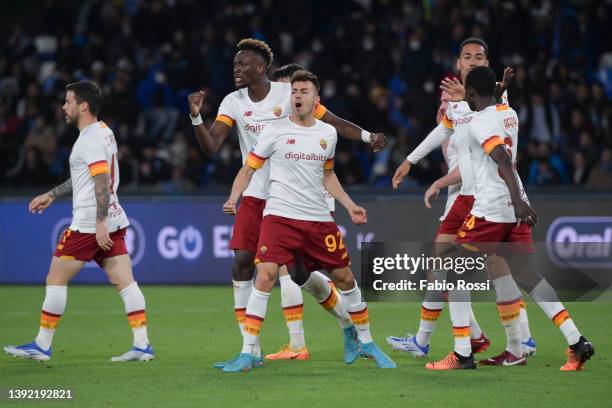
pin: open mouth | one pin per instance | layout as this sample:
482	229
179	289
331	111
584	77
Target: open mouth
298	104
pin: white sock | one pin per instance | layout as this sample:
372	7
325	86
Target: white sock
322	289
358	311
134	303
293	309
256	309
459	306
475	330
430	312
242	291
547	299
52	310
524	319
509	308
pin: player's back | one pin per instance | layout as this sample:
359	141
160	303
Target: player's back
494	126
94	153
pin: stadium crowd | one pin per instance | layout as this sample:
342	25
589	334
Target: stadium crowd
380	63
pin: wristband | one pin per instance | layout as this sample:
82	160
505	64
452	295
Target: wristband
196	121
365	136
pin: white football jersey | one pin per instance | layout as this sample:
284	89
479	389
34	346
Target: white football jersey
250	118
94	152
458	116
451	163
489	128
297	157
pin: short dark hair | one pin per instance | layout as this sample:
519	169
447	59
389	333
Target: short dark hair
259	47
306	76
286	71
482	80
87	91
474	40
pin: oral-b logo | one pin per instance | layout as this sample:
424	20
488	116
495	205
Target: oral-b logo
581	242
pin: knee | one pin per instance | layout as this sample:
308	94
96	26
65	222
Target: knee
242	269
344	279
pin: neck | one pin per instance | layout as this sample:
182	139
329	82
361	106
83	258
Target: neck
85	120
483	102
259	89
306	120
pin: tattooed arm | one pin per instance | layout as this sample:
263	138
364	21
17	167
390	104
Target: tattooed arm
63	190
41	202
102	191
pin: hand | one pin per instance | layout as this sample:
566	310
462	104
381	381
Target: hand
195	102
431	194
454	88
40	203
378	142
525	214
358	215
507	78
102	236
401	172
229	208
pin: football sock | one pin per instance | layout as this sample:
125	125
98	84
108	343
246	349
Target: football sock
293	309
52	310
257	306
242	290
525	331
547	299
323	290
430	312
134	303
509	309
459	306
475	330
358	311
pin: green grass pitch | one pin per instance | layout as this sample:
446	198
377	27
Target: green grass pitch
192	327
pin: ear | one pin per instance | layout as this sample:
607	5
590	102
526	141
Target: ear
486	63
317	100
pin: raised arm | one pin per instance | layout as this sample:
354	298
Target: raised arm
210	140
378	141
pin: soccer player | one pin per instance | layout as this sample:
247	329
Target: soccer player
97	231
256	103
300	152
492	220
473	52
318	284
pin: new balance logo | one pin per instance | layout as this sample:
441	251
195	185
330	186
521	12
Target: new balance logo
248	113
290	141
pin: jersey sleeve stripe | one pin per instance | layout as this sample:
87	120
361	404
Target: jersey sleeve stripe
98	167
491	143
329	164
502	107
225	119
320	111
447	122
255	161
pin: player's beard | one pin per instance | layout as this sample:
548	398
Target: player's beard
72	119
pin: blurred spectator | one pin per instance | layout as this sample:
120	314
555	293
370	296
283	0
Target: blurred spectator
380	63
601	176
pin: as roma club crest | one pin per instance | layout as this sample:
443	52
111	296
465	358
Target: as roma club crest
323	144
277	110
263	249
